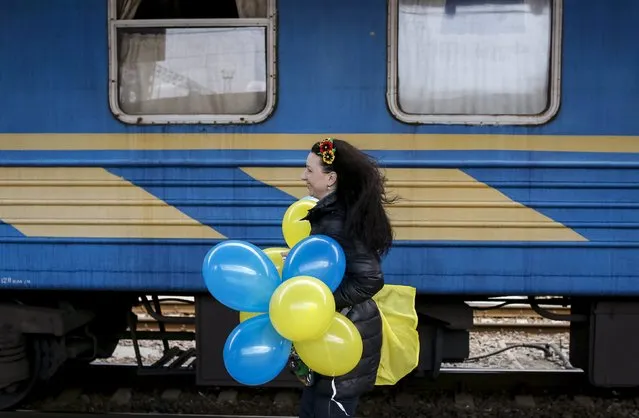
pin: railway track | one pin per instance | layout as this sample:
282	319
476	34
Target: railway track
516	317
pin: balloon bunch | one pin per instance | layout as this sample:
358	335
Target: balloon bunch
294	307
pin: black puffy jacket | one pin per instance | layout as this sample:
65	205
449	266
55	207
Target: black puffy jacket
362	280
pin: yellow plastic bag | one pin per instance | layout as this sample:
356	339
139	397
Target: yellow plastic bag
400	340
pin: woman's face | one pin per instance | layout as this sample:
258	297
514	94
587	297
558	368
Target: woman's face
318	182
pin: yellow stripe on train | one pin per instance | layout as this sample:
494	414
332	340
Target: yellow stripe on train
88	203
293	141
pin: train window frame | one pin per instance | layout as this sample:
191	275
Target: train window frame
268	24
554	81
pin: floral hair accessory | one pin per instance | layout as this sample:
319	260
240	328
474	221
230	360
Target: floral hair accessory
327	150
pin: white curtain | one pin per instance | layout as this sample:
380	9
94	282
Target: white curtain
193	70
476	59
127	8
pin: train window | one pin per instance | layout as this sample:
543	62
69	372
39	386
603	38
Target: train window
192	61
474	61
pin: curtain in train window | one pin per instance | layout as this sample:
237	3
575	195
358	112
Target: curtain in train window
192	70
474	57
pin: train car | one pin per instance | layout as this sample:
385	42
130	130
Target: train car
137	134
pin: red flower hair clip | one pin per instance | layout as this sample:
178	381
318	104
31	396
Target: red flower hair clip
327	150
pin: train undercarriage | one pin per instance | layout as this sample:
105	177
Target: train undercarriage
43	333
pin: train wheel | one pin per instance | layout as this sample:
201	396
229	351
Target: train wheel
20	366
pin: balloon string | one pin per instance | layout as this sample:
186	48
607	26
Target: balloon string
344	312
339	405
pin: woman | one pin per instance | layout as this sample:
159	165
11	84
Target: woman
350	210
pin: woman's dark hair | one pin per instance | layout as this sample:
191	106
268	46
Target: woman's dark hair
360	187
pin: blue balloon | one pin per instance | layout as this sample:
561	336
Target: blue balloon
254	353
240	276
317	256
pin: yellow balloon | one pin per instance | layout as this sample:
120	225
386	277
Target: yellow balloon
246	315
293	228
302	308
335	353
275	254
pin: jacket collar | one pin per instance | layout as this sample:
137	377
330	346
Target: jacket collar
327	204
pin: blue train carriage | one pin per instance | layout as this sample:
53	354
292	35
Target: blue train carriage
135	134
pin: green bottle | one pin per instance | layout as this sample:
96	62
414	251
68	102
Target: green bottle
303	373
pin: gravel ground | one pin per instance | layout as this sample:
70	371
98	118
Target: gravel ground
150	350
481	343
